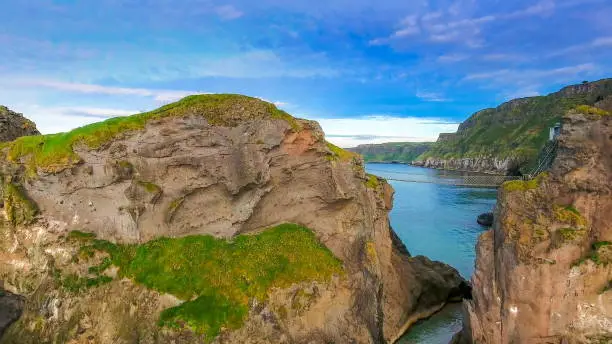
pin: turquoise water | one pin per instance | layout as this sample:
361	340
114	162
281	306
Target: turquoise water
437	221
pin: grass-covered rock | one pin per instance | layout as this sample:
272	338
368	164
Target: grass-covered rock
217	278
20	209
52	153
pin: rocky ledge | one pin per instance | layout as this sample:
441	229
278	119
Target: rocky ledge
217	218
544	273
14	125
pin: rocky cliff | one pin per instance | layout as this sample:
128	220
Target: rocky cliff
510	136
399	152
544	272
216	218
14	125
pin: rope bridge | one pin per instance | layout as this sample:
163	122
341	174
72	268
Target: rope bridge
545	160
472	181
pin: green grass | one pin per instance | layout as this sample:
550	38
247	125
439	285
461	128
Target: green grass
217	278
591	110
372	181
53	153
600	254
74	283
338	153
569	215
517	129
571	234
19	208
524	185
80	236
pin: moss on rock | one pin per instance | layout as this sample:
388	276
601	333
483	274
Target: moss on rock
19	208
217	278
372	181
524	185
339	154
569	215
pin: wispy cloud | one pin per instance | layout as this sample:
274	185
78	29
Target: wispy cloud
157	95
431	96
596	43
447	58
55	119
350	132
445	27
533	76
228	12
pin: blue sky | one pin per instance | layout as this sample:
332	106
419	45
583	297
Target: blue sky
368	71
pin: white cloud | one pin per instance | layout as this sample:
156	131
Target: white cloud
580	48
503	57
350	132
532	77
448	26
431	96
228	12
448	58
50	120
161	96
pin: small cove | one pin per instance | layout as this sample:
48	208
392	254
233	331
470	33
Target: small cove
437	221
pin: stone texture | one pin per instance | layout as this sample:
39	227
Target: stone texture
534	282
183	176
14	125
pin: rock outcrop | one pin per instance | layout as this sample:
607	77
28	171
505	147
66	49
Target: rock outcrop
218	165
544	273
482	164
14	125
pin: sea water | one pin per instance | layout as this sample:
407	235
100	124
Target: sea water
437	221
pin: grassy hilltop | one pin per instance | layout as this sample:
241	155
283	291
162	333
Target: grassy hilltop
519	128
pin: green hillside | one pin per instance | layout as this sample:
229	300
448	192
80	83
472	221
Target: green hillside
519	128
404	152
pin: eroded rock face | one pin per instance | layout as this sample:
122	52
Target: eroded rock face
543	273
483	164
14	125
183	176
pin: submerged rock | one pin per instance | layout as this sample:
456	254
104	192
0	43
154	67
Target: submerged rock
216	165
485	219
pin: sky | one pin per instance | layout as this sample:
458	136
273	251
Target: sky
368	71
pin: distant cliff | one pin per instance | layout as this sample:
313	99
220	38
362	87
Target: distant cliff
509	137
403	152
544	272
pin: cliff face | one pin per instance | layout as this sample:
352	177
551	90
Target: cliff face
543	274
14	125
402	152
485	164
213	174
510	136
